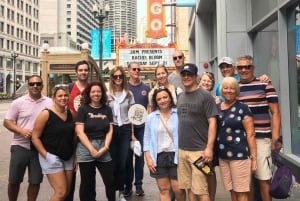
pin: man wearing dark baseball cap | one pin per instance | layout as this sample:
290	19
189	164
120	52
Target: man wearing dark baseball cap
197	111
191	68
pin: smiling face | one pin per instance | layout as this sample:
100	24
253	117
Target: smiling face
82	72
230	89
161	76
245	70
118	78
206	82
134	71
163	100
35	86
61	97
95	94
227	70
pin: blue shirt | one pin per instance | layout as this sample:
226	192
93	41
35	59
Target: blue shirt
151	135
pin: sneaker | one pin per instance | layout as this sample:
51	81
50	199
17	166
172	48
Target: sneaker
121	198
139	191
127	193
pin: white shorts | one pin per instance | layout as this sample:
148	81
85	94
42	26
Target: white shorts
264	159
53	164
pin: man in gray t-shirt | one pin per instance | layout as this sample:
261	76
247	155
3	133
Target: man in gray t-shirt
197	113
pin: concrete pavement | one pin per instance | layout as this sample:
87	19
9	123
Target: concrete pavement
151	191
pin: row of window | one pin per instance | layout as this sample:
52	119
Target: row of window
19	47
10	30
28	66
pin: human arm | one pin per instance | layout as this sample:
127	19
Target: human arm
275	123
212	130
149	161
13	127
79	128
248	125
37	132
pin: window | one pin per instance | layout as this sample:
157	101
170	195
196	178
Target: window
2	11
294	75
27	66
35	68
1	26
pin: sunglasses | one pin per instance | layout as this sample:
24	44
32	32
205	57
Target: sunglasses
35	83
177	57
118	77
136	69
246	67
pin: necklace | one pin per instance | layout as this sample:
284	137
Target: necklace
95	106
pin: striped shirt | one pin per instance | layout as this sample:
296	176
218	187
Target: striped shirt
257	95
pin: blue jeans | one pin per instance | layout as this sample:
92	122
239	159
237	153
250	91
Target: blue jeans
119	146
139	162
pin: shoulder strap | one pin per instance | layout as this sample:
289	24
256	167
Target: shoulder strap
168	131
71	85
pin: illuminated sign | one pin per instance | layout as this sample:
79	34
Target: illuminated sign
156	23
146	57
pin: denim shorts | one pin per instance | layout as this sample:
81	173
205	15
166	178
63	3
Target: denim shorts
53	164
83	154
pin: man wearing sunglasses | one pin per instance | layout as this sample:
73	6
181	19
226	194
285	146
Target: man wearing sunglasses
19	119
174	78
140	92
262	99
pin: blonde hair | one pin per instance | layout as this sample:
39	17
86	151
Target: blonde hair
232	82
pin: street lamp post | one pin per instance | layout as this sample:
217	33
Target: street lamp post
100	13
14	55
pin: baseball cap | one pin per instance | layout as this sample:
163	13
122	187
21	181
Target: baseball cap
192	68
226	60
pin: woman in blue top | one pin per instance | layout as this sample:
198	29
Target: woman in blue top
94	129
236	141
161	144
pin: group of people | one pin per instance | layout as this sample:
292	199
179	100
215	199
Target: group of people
87	126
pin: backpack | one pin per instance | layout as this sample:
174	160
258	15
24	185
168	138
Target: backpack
70	87
282	180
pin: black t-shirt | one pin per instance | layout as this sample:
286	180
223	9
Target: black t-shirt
96	120
58	135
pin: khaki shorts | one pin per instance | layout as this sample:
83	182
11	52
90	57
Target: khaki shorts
264	160
236	174
189	177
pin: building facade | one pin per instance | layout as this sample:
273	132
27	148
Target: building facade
19	33
269	31
68	23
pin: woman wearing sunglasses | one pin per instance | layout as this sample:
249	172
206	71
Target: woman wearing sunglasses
119	100
161	75
161	144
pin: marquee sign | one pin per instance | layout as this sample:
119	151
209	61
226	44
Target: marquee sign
156	23
147	55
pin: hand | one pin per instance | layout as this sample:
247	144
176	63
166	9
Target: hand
151	166
51	158
26	133
100	152
253	165
207	155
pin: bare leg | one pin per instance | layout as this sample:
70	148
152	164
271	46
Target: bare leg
59	182
179	193
164	187
264	186
33	191
13	191
212	186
